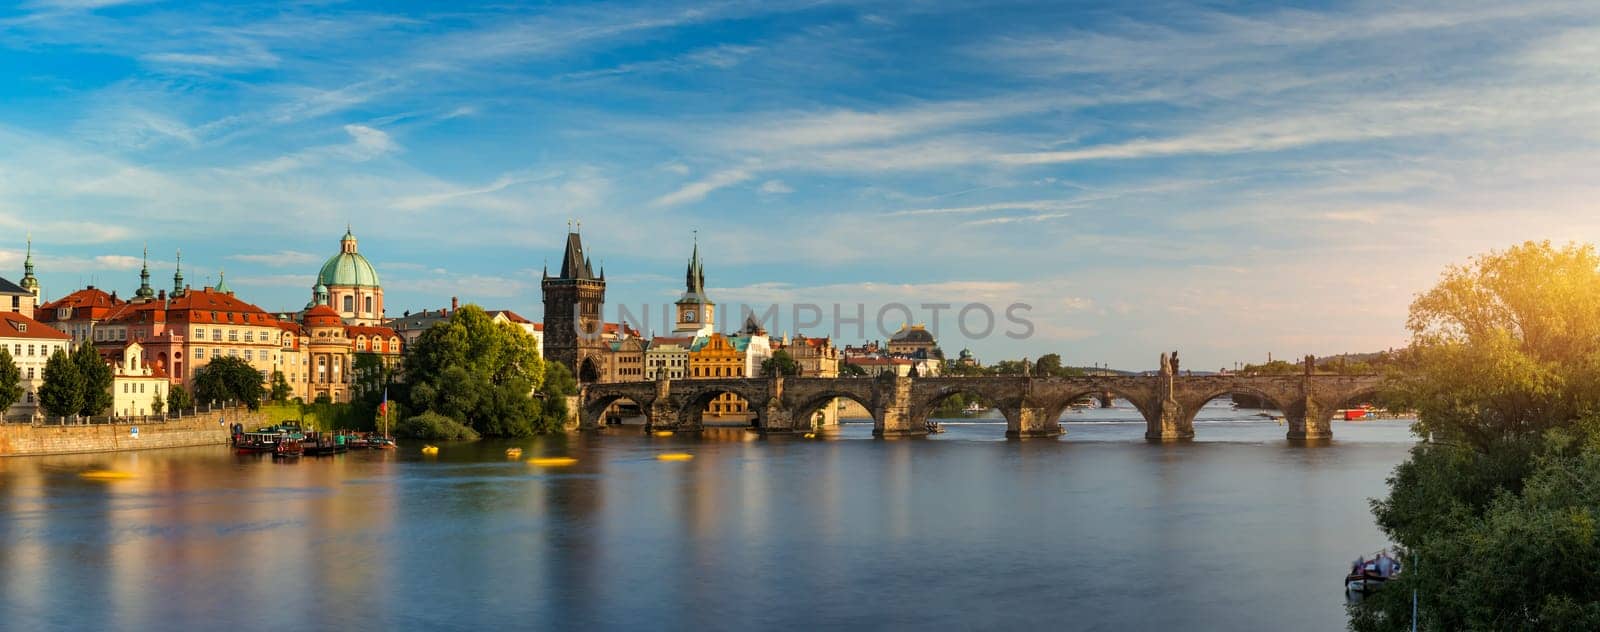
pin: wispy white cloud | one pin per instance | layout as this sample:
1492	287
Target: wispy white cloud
699	189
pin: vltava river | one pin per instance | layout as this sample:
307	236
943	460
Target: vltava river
1095	531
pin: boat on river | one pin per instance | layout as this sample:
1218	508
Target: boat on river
288	449
1367	575
256	442
322	444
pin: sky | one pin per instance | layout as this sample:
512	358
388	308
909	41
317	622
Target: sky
1227	179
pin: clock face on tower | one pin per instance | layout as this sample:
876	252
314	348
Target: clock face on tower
689	316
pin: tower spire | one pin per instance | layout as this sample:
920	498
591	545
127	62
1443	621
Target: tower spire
145	290
177	275
29	283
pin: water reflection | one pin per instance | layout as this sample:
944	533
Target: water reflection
1096	529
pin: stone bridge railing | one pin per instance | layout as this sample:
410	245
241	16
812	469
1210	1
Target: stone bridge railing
1032	406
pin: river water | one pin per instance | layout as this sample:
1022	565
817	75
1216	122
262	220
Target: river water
1096	530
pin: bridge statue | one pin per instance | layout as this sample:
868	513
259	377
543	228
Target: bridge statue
1032	405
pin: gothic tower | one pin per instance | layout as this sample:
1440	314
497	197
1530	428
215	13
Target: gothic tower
572	313
696	312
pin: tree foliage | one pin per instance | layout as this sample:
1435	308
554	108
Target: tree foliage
61	394
480	373
1499	516
230	379
280	388
10	380
178	398
96	376
781	363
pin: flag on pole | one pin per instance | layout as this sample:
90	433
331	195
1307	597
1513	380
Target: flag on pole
383	407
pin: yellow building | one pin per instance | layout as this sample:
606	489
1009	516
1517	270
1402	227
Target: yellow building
716	356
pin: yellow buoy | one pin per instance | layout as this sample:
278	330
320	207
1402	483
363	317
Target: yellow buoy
675	456
811	435
662	433
430	449
105	475
552	461
513	452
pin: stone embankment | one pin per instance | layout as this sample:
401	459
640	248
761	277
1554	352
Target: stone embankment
209	428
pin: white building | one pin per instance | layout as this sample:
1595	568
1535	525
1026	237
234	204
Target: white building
135	386
31	344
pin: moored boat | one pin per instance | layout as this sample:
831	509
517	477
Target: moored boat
1367	575
256	442
288	448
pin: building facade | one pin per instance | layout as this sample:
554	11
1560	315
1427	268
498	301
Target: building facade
136	386
31	344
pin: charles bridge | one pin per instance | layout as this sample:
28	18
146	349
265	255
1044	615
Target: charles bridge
1032	406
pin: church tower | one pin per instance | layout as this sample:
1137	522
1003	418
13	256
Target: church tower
29	282
696	312
145	292
572	313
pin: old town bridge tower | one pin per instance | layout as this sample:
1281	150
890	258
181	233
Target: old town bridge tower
572	313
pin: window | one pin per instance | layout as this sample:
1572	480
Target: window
233	335
199	334
249	336
249	354
216	353
199	353
30	372
348	306
30	350
369	305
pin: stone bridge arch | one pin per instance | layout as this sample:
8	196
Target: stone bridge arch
691	396
802	397
596	398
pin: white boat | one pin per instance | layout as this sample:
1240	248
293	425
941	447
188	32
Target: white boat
973	409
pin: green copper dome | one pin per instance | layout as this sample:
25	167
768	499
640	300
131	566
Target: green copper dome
348	268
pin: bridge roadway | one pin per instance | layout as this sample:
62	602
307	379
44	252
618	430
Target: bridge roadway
1032	405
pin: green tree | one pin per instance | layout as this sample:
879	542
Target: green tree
10	381
61	394
1049	365
781	363
847	369
478	372
157	404
1011	367
229	379
96	376
280	388
178	399
1498	513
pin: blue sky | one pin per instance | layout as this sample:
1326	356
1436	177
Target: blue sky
1228	179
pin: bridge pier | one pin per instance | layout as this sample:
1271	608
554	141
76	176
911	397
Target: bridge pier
661	415
893	417
1106	399
1169	423
1029	421
776	418
1309	421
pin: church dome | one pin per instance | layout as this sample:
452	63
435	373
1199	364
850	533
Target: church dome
348	268
912	334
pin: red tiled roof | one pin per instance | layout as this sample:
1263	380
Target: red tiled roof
682	341
196	306
14	325
370	331
96	300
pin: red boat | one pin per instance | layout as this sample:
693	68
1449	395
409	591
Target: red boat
256	442
288	448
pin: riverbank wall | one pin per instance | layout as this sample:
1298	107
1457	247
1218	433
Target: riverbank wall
200	429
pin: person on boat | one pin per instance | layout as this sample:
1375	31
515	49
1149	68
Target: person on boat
1385	565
